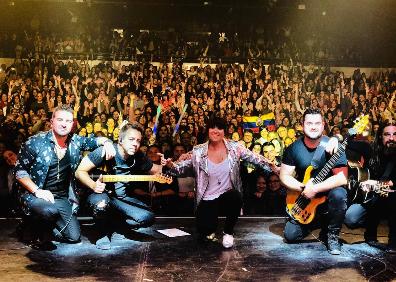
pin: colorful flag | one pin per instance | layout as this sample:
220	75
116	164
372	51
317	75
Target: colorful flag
251	123
268	121
255	122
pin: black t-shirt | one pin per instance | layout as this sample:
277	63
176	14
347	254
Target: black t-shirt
58	177
137	164
379	171
300	156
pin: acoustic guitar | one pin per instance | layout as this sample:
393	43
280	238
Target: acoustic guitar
362	188
303	209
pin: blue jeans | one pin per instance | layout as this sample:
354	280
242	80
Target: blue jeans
329	217
370	214
56	217
127	210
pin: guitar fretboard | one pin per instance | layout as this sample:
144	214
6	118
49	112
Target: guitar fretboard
127	178
330	163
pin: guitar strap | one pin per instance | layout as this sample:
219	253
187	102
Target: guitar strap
315	162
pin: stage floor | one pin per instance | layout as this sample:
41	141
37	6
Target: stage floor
259	255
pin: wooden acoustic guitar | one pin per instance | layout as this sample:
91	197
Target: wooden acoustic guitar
303	209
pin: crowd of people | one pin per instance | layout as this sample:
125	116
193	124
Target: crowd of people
103	95
232	46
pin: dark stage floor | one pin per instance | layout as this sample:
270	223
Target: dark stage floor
259	255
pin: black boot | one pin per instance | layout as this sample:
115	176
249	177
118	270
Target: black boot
391	248
323	235
333	242
371	240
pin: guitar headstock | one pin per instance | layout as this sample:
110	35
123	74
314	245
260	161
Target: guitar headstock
360	125
163	178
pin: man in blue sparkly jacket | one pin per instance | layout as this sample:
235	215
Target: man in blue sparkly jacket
45	173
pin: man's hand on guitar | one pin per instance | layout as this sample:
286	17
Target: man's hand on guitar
309	191
332	145
381	187
99	185
367	185
45	195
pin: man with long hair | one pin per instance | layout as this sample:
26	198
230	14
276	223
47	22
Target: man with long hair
382	166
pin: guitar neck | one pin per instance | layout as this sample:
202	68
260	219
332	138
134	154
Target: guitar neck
128	178
330	164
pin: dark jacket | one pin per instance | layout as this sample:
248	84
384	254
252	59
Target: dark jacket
35	156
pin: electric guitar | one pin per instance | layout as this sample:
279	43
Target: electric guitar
362	188
303	209
160	178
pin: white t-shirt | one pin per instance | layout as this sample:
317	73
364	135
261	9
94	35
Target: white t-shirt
219	180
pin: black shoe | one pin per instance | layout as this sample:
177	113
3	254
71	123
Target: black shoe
44	246
391	249
26	233
375	244
323	236
333	243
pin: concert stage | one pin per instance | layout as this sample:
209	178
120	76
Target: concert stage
259	255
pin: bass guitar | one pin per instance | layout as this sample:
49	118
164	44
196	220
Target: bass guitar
303	209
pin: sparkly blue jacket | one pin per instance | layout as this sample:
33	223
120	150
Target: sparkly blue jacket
34	159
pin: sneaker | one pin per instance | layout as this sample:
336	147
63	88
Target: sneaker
103	243
117	236
333	244
228	241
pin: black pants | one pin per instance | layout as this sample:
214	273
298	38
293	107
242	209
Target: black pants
330	216
229	204
127	210
370	214
56	217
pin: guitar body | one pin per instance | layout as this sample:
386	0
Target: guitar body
356	175
298	207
